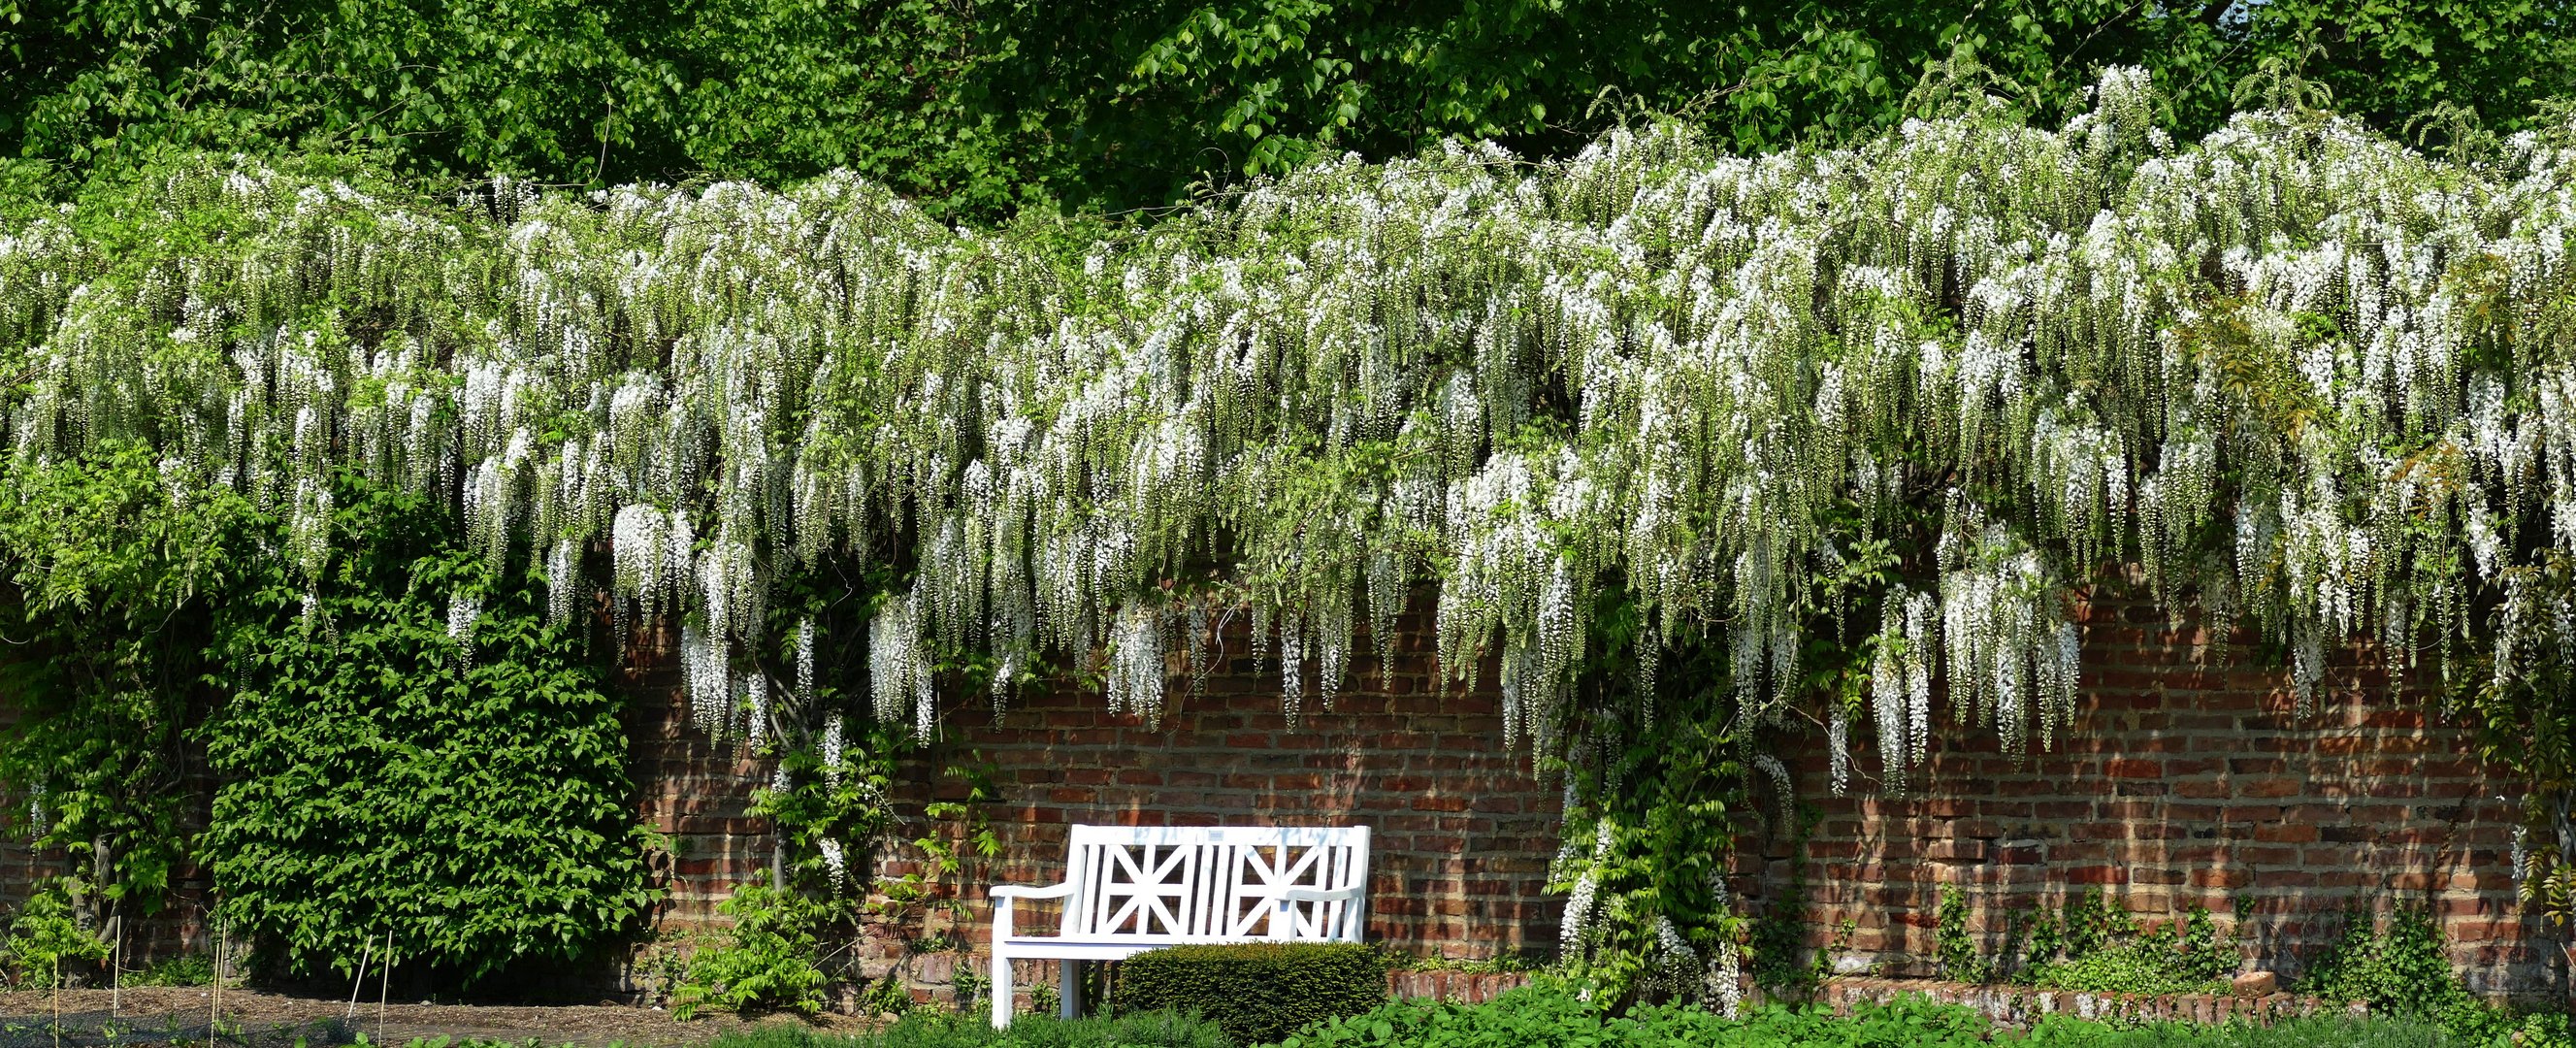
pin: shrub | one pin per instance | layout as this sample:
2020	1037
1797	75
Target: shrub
927	1030
413	744
1257	992
2398	971
44	942
2096	947
767	962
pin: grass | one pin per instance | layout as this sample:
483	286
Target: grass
924	1030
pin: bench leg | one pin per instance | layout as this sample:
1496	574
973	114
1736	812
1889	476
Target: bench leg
1068	995
1001	991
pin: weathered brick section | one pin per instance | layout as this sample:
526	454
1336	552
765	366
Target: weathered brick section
2186	781
695	792
1462	832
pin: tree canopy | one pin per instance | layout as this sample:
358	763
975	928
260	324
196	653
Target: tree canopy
985	108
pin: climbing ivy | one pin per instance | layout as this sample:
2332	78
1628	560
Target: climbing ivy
111	577
399	778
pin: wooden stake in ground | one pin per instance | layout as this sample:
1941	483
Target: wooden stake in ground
361	984
384	985
116	966
215	1016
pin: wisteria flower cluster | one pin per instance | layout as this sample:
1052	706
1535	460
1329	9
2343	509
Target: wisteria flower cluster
2299	371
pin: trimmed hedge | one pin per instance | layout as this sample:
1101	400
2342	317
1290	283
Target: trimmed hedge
1258	992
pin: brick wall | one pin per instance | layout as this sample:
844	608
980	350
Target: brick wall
1462	832
2187	781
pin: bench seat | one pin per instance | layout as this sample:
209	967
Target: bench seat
1129	889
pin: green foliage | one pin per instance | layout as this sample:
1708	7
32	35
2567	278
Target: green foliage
1256	992
931	1030
1500	963
1781	963
380	777
2096	947
1961	957
991	106
2398	970
45	944
765	962
1649	915
109	578
1551	1015
2060	1031
187	969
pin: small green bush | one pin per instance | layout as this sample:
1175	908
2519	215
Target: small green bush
1257	992
928	1030
2399	971
2094	946
44	942
767	962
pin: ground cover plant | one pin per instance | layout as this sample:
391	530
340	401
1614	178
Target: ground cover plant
1692	449
1554	1017
2093	945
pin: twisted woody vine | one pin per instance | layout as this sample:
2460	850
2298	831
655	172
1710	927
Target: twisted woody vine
1703	458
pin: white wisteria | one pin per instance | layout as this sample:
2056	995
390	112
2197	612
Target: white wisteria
2298	372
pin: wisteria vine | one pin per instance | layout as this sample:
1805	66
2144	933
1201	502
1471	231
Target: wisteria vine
2299	372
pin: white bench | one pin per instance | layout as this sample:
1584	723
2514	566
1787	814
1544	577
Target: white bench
1129	889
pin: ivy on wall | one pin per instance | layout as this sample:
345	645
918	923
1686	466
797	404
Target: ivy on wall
456	783
111	579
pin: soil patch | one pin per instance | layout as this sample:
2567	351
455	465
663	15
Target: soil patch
144	1010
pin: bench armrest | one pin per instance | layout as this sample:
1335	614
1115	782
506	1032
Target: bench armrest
1350	894
1002	894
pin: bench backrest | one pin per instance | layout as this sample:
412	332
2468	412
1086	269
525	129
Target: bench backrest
1213	883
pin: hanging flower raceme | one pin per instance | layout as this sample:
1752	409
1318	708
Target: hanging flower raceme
2301	374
